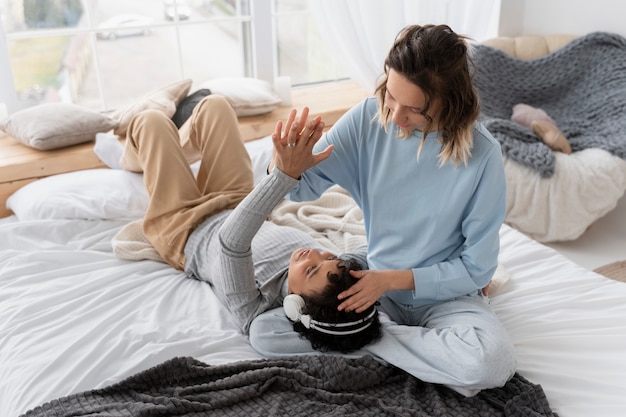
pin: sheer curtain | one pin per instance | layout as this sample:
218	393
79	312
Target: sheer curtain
360	32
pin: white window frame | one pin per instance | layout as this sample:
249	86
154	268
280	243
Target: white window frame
8	95
264	42
263	50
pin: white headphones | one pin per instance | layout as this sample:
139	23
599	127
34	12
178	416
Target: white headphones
293	304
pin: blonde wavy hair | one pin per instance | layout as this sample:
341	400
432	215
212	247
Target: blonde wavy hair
437	60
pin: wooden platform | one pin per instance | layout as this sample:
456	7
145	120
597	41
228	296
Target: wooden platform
20	165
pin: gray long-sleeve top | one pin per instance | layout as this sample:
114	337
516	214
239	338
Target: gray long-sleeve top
245	257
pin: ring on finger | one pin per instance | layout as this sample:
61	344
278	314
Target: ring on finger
291	145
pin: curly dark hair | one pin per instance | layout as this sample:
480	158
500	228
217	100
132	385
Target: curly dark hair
323	307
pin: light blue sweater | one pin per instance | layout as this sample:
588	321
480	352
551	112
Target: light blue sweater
440	221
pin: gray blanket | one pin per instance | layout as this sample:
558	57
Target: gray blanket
323	385
582	86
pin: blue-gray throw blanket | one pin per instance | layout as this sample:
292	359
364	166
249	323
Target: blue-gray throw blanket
582	86
324	385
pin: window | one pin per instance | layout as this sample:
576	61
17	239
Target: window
302	54
104	54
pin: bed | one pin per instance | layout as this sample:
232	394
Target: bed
74	317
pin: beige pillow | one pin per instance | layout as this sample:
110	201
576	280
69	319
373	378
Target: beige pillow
165	99
248	96
56	125
529	47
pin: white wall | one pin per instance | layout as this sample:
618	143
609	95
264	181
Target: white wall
577	17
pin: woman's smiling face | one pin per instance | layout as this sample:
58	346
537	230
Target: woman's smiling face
406	101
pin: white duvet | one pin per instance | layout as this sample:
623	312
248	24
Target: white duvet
73	318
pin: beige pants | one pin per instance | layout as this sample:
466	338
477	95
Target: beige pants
178	201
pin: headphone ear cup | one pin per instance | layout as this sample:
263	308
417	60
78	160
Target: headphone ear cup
293	304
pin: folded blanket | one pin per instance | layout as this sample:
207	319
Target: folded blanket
582	86
324	385
131	243
334	219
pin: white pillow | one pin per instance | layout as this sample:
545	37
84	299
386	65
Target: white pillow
260	152
104	193
248	96
88	194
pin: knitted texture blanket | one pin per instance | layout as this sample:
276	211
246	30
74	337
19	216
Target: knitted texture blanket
322	385
582	86
334	220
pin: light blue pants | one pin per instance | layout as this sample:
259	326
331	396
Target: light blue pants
459	343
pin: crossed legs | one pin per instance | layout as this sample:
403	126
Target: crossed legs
178	201
459	343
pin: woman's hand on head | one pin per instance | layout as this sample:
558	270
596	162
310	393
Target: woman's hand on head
293	143
364	293
371	285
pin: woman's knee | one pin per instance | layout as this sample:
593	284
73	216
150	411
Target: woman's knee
492	365
214	104
504	361
150	117
150	121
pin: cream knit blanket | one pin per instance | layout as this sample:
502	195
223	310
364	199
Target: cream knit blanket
334	220
132	244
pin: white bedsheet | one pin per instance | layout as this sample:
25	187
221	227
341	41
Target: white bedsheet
568	325
74	318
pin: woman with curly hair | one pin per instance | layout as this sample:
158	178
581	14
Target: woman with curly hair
214	226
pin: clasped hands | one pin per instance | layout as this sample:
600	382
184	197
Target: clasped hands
293	143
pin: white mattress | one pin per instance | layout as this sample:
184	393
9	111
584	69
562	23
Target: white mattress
74	318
